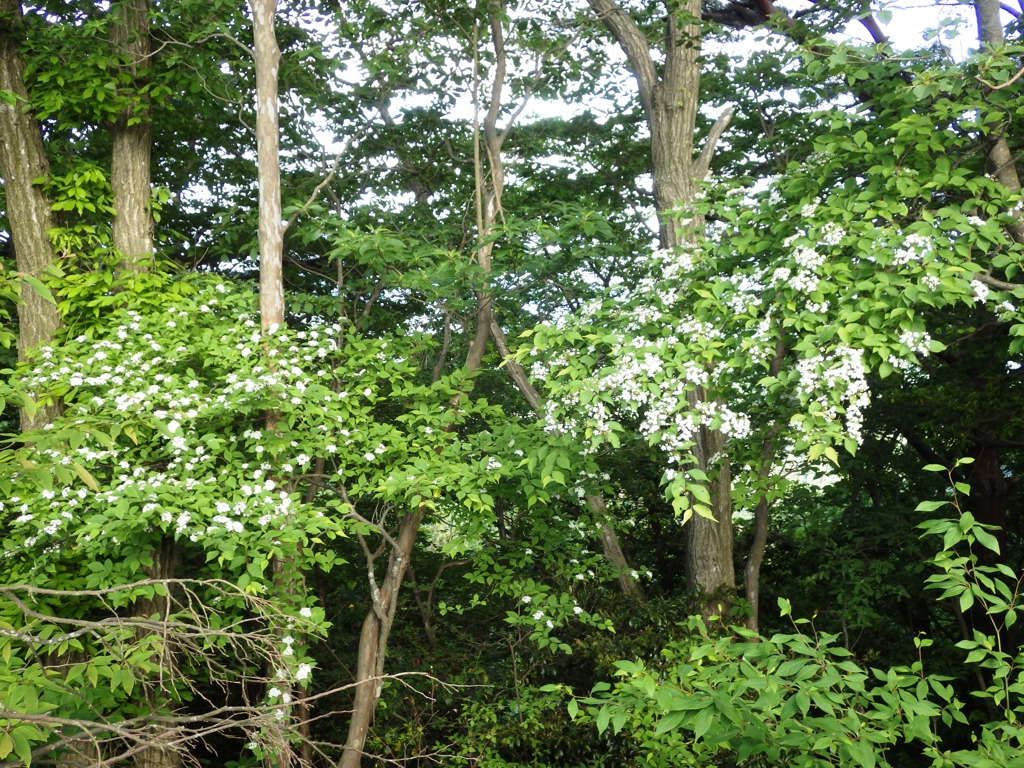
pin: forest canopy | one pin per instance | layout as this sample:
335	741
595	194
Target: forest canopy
577	383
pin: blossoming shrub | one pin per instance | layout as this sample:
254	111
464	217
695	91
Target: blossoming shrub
164	449
864	258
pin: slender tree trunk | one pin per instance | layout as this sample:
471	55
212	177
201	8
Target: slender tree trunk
22	160
267	57
373	640
271	228
132	140
488	211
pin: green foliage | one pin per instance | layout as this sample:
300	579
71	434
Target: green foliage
801	699
852	263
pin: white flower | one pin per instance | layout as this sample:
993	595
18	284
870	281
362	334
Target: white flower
527	598
980	291
538	615
273	693
306	613
303	672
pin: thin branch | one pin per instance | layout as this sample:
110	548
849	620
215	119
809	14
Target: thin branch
993	282
995	87
703	164
316	191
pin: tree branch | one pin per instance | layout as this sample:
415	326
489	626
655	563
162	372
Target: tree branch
635	46
703	164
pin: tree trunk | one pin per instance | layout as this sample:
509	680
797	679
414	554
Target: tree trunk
131	138
670	104
156	756
22	160
488	210
131	143
267	58
373	640
1004	164
271	228
710	571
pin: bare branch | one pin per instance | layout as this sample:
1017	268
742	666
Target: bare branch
707	152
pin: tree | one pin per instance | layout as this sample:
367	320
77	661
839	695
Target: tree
22	163
670	100
131	139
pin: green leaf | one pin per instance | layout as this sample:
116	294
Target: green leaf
670	722
85	476
785	609
702	723
986	539
6	744
22	736
39	288
966	600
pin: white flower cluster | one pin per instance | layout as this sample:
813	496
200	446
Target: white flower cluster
181	469
914	248
837	383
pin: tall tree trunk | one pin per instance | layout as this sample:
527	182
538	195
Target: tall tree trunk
670	105
267	57
132	139
489	209
271	228
131	144
22	160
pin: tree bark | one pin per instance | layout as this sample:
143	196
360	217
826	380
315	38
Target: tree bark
156	756
1004	164
132	140
610	545
670	104
267	57
131	146
488	211
22	161
373	640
